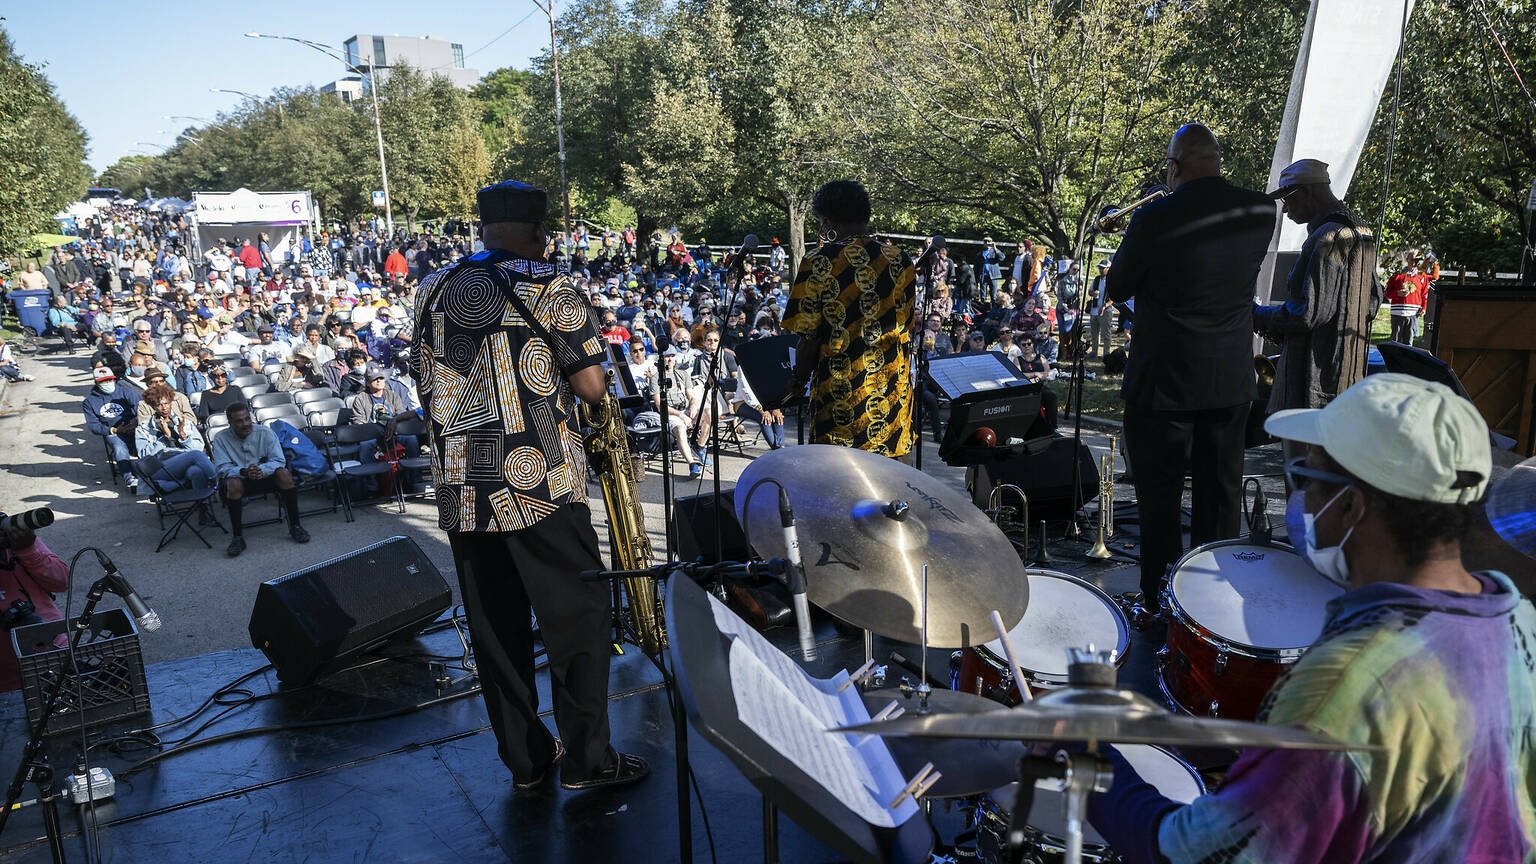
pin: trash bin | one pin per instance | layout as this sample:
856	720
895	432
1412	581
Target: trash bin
32	309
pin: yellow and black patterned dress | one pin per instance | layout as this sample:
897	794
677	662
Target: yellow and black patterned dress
854	297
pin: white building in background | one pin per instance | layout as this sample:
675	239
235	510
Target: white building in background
349	89
427	54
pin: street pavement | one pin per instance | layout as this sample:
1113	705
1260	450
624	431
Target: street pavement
48	458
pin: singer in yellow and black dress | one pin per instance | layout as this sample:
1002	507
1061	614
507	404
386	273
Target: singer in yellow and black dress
852	305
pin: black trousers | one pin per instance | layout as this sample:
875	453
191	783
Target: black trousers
1161	445
504	575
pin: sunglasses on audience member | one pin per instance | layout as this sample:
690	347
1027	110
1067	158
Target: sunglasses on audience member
1297	472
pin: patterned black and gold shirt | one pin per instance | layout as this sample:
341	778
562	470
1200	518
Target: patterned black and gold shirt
507	450
854	297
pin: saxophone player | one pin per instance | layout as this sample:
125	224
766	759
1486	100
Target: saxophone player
1190	262
504	347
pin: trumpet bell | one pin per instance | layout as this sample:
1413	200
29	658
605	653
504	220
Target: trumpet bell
1264	368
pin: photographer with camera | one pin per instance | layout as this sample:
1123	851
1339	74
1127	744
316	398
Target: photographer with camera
29	575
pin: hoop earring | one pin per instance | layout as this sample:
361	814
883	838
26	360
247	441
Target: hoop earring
828	236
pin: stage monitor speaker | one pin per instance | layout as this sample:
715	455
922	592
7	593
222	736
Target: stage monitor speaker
695	519
316	620
1046	477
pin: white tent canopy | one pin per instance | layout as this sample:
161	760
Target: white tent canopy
244	214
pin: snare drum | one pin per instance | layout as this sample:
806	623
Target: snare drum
1064	612
1046	835
1240	615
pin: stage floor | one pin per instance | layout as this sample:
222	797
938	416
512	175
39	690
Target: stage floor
425	785
349	769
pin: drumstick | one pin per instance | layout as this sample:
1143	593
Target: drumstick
1013	663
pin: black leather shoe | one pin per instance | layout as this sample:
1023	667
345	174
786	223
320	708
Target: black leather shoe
236	545
625	769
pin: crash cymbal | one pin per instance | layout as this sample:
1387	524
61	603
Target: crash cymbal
867	524
1100	715
969	767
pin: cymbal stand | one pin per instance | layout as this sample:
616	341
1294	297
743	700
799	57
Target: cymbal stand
922	366
1081	774
922	683
712	396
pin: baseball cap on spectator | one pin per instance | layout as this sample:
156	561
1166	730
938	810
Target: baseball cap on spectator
190	339
226	318
305	350
374	373
103	373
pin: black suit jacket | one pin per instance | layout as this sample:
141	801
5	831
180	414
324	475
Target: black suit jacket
1190	261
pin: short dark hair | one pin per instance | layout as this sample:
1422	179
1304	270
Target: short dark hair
234	408
1415	526
842	201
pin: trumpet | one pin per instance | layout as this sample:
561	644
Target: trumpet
1113	219
1264	368
1106	504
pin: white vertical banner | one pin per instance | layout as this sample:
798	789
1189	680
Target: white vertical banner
1342	67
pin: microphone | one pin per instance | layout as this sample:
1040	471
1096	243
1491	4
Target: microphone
118	585
934	245
795	574
744	254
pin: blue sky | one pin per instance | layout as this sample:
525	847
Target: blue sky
120	67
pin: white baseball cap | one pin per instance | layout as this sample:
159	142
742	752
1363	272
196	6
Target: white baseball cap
1403	435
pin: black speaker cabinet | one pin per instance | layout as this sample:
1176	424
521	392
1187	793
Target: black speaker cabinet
695	519
316	620
1046	477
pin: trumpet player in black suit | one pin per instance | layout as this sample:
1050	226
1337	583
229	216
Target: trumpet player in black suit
1190	262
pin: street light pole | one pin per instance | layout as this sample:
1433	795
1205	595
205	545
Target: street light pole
554	57
378	127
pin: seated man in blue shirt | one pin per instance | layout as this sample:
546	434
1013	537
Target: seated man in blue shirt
249	459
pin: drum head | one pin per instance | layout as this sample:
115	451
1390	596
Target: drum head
1064	612
1256	596
1157	766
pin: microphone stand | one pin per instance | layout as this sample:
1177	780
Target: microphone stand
666	452
711	394
922	359
1075	389
34	765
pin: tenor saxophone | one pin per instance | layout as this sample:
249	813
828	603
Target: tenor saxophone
608	448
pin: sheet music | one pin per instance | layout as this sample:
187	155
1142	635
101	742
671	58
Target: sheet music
773	711
971	373
809	692
791	712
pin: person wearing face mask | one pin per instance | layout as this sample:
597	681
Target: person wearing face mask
338	366
111	411
1421	659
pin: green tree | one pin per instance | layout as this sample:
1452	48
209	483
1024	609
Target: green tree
42	152
1030	113
432	144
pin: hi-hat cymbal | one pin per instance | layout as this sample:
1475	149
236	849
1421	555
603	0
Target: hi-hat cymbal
867	524
1100	715
968	767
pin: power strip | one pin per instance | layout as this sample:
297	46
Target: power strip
102	786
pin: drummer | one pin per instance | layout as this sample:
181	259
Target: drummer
1421	658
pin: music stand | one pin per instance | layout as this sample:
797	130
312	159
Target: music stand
623	387
767	364
984	388
709	662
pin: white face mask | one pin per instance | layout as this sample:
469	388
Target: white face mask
136	371
108	387
1302	527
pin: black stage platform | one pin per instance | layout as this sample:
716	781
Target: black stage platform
324	784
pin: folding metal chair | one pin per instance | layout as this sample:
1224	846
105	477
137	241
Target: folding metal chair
423	463
351	435
270	400
180	504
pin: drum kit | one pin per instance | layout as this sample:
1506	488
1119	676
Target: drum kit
888	549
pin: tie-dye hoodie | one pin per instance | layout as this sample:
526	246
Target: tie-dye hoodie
1445	682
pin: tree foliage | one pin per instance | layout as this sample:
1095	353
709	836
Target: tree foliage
1017	117
42	152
